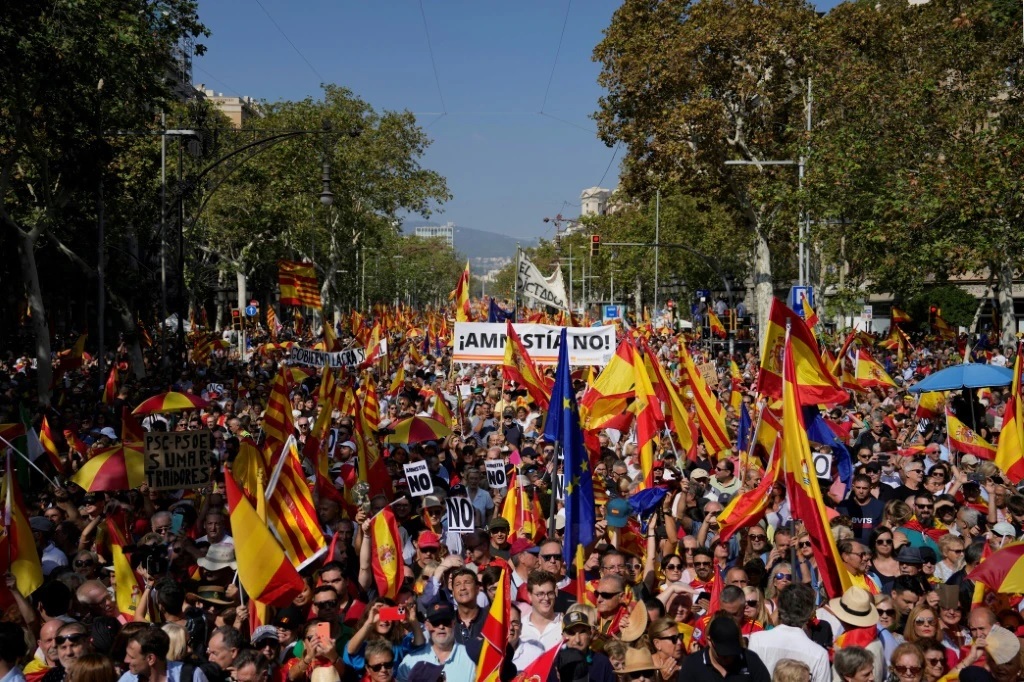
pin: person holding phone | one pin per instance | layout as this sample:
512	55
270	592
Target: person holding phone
384	622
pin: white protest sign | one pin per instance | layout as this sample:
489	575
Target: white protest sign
559	487
418	477
549	291
496	477
317	358
483	343
822	465
461	515
179	459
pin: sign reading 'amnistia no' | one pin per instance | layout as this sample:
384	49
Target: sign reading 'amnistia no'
484	343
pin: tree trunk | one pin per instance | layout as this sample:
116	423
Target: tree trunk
40	327
638	299
973	327
241	281
131	331
1008	335
764	289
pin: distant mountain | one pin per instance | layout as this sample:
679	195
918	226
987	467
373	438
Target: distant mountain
480	244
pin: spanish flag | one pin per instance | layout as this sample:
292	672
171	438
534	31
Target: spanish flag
398	382
817	383
263	569
717	328
495	632
944	329
677	415
810	314
1010	453
805	497
463	311
870	374
49	444
127	589
386	554
647	409
298	283
110	388
17	542
899	316
747	508
608	398
520	368
70	359
966	440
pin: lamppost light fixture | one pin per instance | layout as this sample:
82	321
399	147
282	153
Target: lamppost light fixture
326	196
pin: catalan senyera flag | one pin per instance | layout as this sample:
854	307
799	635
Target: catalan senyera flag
386	554
817	383
717	328
1010	452
899	316
272	326
49	443
463	312
495	632
372	468
710	415
677	416
805	497
520	368
298	283
966	440
290	510
17	542
870	374
277	422
746	509
263	568
647	409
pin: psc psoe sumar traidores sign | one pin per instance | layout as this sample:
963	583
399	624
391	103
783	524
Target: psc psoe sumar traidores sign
179	459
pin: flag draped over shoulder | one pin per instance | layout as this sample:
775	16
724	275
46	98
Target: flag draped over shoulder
801	485
17	541
967	440
263	569
520	368
298	283
817	383
1010	453
386	554
563	428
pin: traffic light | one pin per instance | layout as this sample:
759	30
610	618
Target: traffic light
595	244
933	311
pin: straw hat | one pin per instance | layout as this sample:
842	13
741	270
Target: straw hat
855	608
637	660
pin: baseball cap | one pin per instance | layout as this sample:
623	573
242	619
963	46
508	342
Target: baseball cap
499	523
264	632
969	460
523	545
431	501
428	539
1005	529
910	556
724	634
440	613
348	444
698	474
617	512
575	619
289	617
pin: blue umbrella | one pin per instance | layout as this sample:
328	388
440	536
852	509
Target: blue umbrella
969	375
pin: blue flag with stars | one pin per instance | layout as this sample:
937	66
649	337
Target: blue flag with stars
563	427
743	431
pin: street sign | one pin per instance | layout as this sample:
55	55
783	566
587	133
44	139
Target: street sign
703	294
611	313
796	297
868	312
251	311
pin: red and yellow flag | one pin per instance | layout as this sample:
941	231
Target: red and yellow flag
944	329
608	398
805	497
463	312
291	511
17	542
677	416
647	409
520	368
127	588
298	283
70	359
817	383
277	421
810	314
386	557
272	326
966	440
747	508
899	316
717	328
131	429
398	382
110	387
710	415
49	444
263	569
1010	453
495	632
870	374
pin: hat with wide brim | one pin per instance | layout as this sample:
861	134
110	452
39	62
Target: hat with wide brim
212	594
855	608
637	660
218	557
638	621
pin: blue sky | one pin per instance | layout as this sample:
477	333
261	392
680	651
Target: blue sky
508	166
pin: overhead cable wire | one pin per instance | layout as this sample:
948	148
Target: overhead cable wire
433	62
558	50
289	40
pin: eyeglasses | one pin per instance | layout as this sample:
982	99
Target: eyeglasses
783	576
907	669
551	557
701	563
889	613
607	595
377	667
74	638
542	595
326	604
674	638
752	603
924	621
883	541
673	567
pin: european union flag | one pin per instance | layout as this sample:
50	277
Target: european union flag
498	314
819	432
743	430
563	427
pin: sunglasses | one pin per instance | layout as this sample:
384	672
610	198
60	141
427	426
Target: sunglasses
326	604
670	638
607	595
784	576
701	563
497	531
551	557
801	545
87	562
924	621
883	541
889	613
752	603
73	638
934	661
907	669
758	537
673	567
377	667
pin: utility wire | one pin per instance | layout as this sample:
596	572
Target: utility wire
297	51
568	123
558	50
433	62
610	162
218	80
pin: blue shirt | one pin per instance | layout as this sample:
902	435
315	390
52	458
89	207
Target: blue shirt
459	665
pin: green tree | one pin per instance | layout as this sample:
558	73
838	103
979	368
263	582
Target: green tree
695	83
73	70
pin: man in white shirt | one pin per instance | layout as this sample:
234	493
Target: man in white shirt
50	556
542	625
788	639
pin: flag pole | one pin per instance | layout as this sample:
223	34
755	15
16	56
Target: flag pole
276	474
30	462
515	285
9	507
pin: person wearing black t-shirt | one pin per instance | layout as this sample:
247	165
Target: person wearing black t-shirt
863	508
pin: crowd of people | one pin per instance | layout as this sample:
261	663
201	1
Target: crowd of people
661	600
